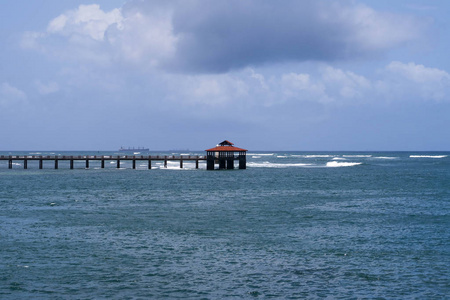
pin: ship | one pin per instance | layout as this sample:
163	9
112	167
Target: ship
138	149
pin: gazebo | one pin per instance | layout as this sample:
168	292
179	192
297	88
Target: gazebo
225	154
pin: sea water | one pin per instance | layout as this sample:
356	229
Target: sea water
293	225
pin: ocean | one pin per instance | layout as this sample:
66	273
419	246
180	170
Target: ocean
293	225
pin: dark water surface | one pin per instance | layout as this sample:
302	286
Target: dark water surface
293	225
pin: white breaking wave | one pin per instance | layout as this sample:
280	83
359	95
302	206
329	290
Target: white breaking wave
256	156
262	154
357	155
384	157
428	156
282	156
314	156
339	158
334	164
267	164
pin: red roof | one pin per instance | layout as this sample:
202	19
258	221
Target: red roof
226	149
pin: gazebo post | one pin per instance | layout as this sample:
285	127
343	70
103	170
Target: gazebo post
210	160
242	160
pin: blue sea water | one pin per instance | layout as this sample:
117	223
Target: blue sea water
293	225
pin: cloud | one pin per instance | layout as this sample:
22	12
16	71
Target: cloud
145	37
415	80
302	87
234	34
345	84
10	95
87	20
199	36
418	73
45	89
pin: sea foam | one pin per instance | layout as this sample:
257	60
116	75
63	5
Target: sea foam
428	156
334	164
267	164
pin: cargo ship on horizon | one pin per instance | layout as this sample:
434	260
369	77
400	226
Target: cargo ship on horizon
138	149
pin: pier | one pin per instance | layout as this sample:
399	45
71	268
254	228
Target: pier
223	155
55	159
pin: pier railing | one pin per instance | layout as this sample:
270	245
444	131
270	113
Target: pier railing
102	158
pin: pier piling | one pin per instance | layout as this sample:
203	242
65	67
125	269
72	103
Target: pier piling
87	159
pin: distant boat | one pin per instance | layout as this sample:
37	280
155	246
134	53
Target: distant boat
138	149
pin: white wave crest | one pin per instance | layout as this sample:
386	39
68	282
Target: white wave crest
384	157
267	164
339	158
315	156
256	156
335	164
428	156
357	155
261	154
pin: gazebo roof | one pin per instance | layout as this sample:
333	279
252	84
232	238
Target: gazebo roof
226	143
226	146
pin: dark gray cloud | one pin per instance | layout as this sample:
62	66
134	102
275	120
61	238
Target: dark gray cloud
216	36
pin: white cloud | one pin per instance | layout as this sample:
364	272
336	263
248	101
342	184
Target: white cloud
210	90
88	20
375	31
195	37
260	78
418	73
10	95
414	80
345	83
146	37
302	87
45	89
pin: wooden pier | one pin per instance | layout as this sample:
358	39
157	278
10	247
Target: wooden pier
88	158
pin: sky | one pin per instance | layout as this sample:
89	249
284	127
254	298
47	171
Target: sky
297	75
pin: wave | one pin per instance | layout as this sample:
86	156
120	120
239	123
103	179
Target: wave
428	156
357	155
313	155
267	164
335	164
384	157
261	154
282	156
256	156
339	158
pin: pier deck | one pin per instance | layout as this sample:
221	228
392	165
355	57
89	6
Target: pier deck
102	158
